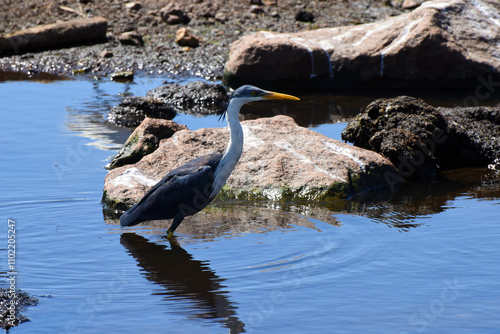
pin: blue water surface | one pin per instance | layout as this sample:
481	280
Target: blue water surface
424	262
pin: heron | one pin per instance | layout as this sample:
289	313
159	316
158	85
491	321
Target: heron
191	187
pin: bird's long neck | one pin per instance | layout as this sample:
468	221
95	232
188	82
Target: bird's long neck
234	147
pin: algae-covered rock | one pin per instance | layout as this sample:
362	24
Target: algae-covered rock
421	140
281	161
144	140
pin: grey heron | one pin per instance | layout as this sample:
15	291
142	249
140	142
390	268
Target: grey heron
191	187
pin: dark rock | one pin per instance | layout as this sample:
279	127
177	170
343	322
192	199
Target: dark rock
420	140
304	16
21	300
132	111
144	140
281	161
131	38
195	97
59	34
474	136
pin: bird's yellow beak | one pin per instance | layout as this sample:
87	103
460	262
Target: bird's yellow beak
279	96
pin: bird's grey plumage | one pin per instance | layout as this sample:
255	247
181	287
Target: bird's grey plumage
173	194
191	187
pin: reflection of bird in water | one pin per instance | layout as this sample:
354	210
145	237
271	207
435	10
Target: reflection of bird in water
183	277
191	187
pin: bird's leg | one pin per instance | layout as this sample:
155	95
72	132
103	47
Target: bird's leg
177	220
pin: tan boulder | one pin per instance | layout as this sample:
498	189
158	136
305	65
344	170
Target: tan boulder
441	44
281	161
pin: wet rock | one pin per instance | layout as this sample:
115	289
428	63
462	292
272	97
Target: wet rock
184	38
131	38
195	97
420	49
122	76
12	303
78	31
170	14
281	161
133	110
145	140
421	140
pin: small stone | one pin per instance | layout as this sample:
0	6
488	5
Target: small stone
123	76
106	54
173	16
221	17
184	38
410	4
133	6
254	9
131	38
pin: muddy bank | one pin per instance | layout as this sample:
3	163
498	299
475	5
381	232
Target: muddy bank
217	23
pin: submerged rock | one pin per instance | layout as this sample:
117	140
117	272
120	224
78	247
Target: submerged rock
420	139
133	110
144	140
281	161
441	44
195	97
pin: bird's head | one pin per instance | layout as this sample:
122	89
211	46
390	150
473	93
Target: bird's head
246	94
249	93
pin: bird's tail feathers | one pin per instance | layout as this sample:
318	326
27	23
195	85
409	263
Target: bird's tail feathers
130	218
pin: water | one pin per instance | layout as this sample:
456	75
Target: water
424	261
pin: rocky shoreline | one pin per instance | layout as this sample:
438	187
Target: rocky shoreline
141	35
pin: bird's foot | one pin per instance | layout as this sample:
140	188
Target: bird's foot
170	234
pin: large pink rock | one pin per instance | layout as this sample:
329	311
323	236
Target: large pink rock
280	161
440	44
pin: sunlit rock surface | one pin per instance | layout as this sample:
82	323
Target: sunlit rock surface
441	44
281	161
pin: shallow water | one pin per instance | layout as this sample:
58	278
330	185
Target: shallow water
423	261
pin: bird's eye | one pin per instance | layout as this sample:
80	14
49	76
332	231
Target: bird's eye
254	93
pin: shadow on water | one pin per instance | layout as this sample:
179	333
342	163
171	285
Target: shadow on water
184	278
425	198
